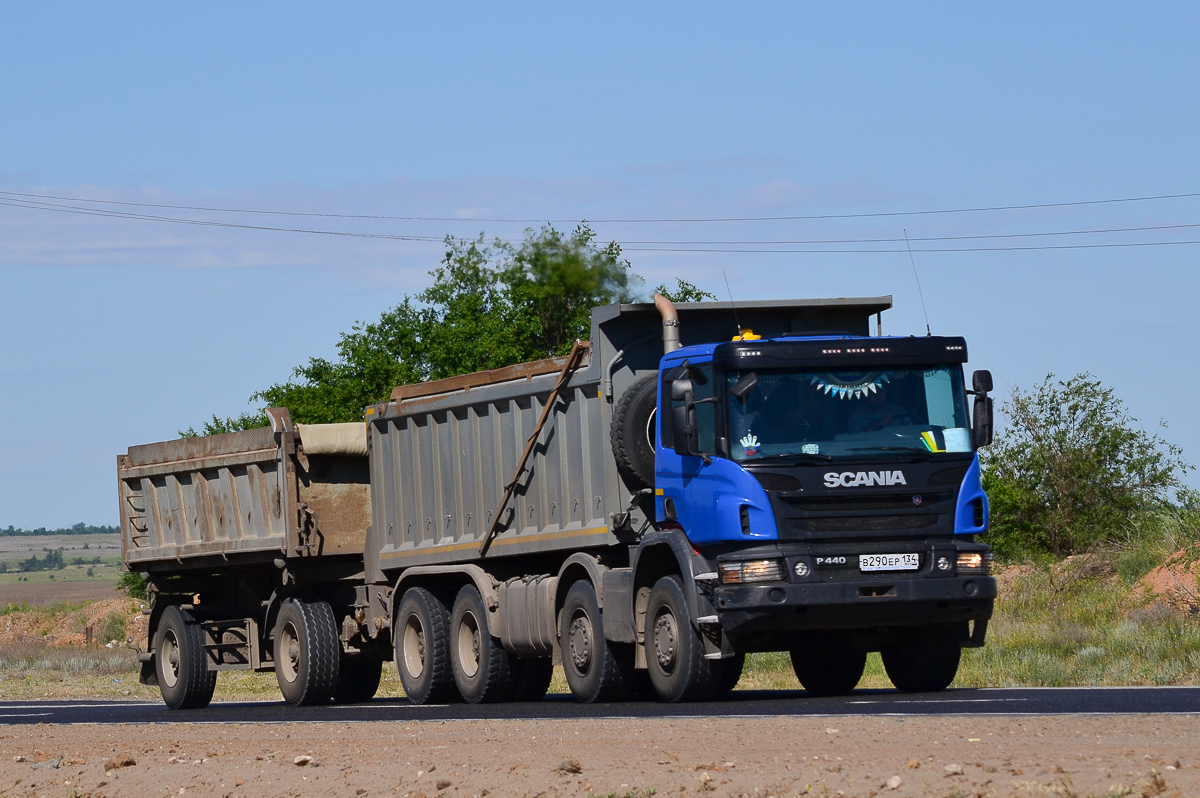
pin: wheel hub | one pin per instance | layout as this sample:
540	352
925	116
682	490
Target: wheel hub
581	643
666	634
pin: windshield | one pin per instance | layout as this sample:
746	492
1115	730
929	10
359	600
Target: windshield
848	413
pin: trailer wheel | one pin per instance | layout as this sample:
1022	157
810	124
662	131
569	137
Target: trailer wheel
531	678
422	640
632	430
674	650
180	663
924	661
480	663
731	673
357	681
828	670
307	652
596	669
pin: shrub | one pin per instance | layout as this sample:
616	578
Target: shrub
1073	470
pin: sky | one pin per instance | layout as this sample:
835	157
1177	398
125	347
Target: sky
122	329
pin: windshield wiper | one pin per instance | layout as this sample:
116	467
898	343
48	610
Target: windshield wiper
911	449
810	456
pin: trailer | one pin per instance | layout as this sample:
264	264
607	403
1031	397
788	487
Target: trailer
613	510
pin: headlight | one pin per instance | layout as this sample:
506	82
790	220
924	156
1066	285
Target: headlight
733	573
974	562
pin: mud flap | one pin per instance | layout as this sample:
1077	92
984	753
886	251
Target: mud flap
148	675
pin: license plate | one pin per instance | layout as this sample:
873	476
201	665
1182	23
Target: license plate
889	562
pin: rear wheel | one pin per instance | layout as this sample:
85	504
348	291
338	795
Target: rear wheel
923	661
307	652
422	640
674	650
596	669
480	663
828	670
180	664
358	681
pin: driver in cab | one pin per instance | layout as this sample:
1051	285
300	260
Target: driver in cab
876	412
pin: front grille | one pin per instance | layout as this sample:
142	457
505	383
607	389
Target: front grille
865	523
896	501
847	516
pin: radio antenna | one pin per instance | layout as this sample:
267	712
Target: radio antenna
918	279
732	304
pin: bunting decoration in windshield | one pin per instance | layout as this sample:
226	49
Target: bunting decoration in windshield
850	384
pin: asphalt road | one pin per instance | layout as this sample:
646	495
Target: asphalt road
1007	701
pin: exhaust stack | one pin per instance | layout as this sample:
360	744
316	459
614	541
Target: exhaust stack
670	317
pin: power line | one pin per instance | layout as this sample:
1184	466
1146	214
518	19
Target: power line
891	251
42	206
930	238
885	214
680	246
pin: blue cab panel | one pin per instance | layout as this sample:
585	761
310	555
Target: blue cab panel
969	492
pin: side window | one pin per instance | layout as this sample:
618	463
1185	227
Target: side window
706	414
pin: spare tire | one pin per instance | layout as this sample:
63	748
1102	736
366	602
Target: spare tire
632	430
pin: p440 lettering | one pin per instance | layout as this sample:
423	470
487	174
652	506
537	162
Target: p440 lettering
853	479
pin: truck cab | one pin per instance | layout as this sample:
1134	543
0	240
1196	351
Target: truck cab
829	486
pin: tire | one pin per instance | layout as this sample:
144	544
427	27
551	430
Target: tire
480	664
632	431
731	673
357	681
307	652
596	669
531	678
180	662
422	645
828	670
674	650
924	661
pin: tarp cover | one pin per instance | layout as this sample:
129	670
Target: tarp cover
334	439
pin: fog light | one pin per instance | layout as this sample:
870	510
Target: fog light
943	564
974	562
733	573
802	568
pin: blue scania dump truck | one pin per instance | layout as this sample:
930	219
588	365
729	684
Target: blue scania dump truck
694	484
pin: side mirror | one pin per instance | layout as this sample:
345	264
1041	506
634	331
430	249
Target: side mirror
981	381
981	420
742	388
683	417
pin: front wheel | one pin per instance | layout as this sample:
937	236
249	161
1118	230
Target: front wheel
180	664
674	650
307	652
828	670
596	670
923	661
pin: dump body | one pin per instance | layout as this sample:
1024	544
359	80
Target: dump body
244	497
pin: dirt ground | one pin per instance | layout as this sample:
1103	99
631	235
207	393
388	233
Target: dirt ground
845	756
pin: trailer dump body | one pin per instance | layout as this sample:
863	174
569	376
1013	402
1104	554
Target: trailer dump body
675	493
245	496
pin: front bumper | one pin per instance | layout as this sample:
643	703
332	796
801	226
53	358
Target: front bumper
852	604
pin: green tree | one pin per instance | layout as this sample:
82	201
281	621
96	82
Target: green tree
684	292
1072	469
489	306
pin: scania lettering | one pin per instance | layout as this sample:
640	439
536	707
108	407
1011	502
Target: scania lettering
850	479
649	508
